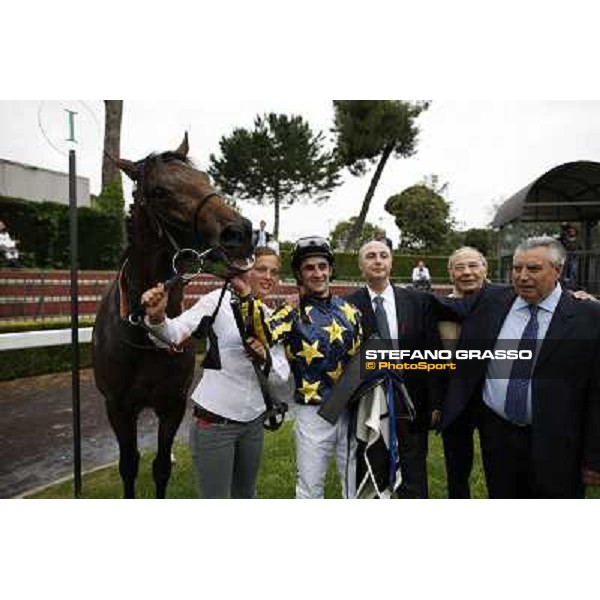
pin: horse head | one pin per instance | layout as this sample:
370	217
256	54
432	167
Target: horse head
180	203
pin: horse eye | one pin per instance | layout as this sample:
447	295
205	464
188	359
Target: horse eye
160	192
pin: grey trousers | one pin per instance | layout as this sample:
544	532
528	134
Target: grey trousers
226	458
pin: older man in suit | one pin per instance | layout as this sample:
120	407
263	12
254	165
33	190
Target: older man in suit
539	420
467	269
404	317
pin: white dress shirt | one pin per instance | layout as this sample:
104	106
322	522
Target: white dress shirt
421	274
6	241
496	381
389	303
262	238
233	391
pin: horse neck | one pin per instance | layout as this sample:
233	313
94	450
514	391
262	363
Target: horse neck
148	265
149	257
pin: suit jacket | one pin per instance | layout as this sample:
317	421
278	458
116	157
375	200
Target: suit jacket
565	385
416	330
255	232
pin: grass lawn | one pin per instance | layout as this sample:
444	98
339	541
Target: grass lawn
276	479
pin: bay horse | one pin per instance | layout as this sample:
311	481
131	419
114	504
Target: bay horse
174	206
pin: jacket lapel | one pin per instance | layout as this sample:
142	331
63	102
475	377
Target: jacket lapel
560	328
495	307
492	324
368	313
401	312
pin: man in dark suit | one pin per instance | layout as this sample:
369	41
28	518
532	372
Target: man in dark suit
539	420
467	269
261	237
382	237
404	317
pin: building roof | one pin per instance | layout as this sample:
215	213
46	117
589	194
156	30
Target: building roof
5	161
569	192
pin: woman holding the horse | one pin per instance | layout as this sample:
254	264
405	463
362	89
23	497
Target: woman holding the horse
226	436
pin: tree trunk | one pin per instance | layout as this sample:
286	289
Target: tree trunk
112	141
276	225
362	217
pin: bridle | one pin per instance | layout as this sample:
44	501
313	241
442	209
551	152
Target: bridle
162	223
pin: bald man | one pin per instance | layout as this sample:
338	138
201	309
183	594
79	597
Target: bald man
402	316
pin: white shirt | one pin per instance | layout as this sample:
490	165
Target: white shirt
389	303
6	241
262	238
498	372
233	391
420	274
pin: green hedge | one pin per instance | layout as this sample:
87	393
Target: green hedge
28	362
18	326
42	229
100	239
347	267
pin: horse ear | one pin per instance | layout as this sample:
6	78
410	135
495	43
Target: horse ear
128	168
184	147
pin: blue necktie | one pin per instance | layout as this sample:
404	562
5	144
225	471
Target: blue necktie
515	406
380	316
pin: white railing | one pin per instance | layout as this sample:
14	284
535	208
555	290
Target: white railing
38	339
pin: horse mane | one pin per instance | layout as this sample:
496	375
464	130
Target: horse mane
129	226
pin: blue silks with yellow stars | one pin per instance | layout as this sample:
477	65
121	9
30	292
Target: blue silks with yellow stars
320	337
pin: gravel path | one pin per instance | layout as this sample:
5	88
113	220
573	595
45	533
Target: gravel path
36	431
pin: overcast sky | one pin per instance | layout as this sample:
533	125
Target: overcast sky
485	150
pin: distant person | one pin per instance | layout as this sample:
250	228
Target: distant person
381	237
568	238
261	237
8	246
421	278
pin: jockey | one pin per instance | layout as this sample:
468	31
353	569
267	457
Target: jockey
320	335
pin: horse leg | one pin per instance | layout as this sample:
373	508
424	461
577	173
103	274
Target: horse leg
161	466
124	425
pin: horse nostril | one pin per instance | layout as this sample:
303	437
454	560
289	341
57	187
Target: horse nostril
231	236
237	237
